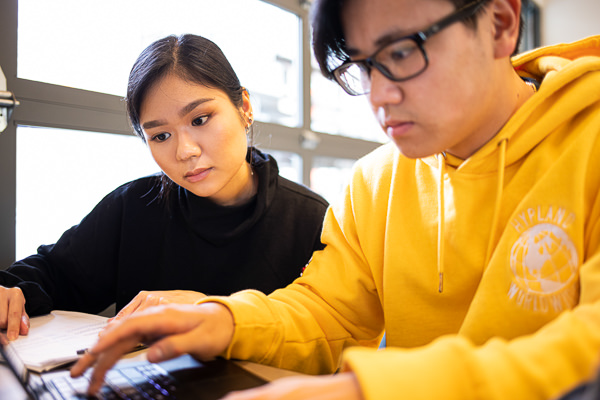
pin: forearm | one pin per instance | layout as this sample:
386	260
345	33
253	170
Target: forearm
290	329
539	366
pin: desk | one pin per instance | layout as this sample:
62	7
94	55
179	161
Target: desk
11	389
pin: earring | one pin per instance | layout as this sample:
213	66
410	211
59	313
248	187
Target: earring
250	135
250	121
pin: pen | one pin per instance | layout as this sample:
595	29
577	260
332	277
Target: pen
81	352
139	346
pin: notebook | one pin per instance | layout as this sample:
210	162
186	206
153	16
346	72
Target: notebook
181	378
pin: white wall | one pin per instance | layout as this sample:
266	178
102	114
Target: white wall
568	20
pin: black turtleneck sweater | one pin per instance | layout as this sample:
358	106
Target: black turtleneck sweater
133	241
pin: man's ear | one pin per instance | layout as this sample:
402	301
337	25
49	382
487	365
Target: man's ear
506	16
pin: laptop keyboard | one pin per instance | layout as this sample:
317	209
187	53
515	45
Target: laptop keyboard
147	381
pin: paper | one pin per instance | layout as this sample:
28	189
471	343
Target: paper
55	339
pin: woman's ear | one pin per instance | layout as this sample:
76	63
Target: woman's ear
247	107
506	17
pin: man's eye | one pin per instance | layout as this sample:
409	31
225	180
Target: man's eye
161	137
401	54
200	120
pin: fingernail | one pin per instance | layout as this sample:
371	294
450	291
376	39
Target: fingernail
25	320
155	354
12	335
93	389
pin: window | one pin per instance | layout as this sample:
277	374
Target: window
334	111
67	62
290	164
329	176
110	34
531	25
62	174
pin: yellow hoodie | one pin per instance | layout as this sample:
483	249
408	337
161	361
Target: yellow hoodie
485	272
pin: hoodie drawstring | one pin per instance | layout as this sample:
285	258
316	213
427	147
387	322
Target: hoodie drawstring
441	222
499	188
442	216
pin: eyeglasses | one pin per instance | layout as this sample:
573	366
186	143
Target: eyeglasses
399	60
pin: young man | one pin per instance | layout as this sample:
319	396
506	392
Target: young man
473	239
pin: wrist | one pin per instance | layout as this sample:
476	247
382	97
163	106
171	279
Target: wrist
221	323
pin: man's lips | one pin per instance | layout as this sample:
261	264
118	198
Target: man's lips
396	128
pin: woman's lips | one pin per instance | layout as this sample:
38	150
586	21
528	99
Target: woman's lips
197	175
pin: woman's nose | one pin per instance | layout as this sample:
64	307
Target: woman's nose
187	147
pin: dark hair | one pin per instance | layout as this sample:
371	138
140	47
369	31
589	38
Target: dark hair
329	44
192	58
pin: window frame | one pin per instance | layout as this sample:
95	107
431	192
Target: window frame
54	106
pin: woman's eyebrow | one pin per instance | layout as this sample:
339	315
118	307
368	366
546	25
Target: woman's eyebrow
190	107
184	111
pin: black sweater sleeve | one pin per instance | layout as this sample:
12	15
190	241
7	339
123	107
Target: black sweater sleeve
77	273
131	241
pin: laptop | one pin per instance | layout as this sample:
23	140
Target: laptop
181	378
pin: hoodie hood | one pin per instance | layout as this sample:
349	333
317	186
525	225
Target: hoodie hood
569	84
555	67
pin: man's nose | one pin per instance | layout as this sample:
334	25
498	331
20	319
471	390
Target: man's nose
383	91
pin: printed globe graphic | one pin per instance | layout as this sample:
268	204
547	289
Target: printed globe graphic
544	259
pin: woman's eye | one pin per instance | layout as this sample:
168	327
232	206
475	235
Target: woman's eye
161	137
200	120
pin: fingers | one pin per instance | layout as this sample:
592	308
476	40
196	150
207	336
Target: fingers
121	336
102	362
142	301
151	300
130	307
24	325
201	330
12	311
142	327
147	299
176	345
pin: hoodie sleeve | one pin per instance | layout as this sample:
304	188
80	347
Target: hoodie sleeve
302	328
307	325
543	365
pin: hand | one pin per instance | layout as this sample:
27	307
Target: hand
204	331
341	386
146	299
13	317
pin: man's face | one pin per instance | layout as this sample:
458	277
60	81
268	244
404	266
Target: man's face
449	106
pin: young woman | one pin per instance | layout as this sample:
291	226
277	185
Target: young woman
219	218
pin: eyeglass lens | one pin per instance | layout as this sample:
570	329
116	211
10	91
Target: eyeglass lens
398	60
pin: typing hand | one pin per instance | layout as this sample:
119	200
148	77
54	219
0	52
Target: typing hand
146	299
341	386
13	317
204	331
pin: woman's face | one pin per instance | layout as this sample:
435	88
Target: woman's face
197	137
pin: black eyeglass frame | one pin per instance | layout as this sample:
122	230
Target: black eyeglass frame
419	38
